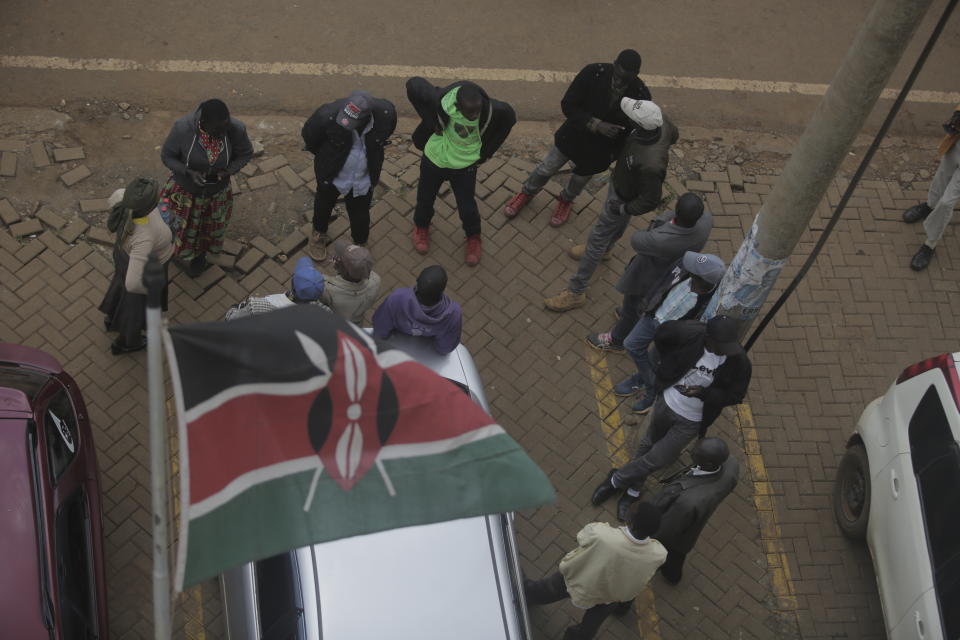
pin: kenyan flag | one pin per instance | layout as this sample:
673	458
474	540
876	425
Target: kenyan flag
297	427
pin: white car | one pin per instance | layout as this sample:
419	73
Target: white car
898	487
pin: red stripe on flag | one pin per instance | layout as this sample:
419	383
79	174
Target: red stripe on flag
259	430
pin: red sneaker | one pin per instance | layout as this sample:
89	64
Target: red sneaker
421	239
473	251
562	213
516	203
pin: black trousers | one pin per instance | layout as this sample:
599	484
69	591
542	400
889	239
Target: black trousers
358	209
463	183
553	588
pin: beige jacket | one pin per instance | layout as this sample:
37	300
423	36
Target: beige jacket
351	299
609	565
149	236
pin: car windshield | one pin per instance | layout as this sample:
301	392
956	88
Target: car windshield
13	376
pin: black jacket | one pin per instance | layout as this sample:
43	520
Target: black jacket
642	168
687	502
182	150
330	143
589	96
680	344
496	117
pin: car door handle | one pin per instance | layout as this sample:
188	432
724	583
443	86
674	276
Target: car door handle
894	484
919	621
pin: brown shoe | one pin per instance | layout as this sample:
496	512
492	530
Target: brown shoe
576	252
317	247
565	301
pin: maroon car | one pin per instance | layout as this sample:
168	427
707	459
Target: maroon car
52	584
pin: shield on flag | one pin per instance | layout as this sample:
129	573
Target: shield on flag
296	427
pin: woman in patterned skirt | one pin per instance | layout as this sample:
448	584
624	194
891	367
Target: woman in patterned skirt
203	150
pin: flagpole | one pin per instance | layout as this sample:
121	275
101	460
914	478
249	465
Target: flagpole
154	279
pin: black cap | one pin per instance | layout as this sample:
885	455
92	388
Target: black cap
629	60
724	331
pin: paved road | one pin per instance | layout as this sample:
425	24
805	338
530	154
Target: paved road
738	40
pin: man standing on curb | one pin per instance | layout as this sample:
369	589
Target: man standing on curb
592	135
636	187
346	138
609	568
460	128
943	194
702	369
688	499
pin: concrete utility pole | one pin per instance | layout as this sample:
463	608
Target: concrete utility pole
787	211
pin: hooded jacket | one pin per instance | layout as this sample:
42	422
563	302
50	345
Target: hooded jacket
680	344
402	312
588	96
659	249
182	150
641	169
496	117
330	143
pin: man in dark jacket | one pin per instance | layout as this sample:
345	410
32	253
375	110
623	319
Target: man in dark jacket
461	127
659	250
593	133
636	188
347	138
688	499
702	369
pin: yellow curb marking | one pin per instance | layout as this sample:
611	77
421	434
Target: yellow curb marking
645	604
194	627
765	503
57	63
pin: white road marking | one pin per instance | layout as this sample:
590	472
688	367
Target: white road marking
443	73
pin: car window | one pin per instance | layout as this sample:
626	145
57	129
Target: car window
936	464
30	382
75	571
60	431
280	602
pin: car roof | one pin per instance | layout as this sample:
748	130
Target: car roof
19	354
20	578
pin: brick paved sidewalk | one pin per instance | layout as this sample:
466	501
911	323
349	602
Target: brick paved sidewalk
859	317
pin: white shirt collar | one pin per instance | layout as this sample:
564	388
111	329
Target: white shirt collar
697	471
631	538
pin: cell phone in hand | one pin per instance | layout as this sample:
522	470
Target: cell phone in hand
682	388
211	178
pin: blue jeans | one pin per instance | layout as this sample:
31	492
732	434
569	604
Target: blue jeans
637	343
551	164
608	228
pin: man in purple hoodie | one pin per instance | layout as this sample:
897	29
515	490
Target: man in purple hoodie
422	310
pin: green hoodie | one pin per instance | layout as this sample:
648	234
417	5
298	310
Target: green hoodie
459	144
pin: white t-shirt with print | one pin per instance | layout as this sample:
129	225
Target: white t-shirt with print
701	375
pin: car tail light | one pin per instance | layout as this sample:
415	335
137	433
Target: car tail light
946	363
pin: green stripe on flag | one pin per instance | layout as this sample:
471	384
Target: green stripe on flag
493	475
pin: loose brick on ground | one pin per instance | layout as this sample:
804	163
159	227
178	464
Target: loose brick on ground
66	155
51	218
232	247
250	260
268	248
258	182
101	236
28	227
74	230
290	176
38	153
248	169
210	277
93	206
74	176
8	164
15	146
8	214
29	251
292	242
307	174
223	260
272	164
699	185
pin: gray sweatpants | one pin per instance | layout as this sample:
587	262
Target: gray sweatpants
551	163
608	228
667	434
943	194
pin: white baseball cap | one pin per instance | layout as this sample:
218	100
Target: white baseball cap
644	113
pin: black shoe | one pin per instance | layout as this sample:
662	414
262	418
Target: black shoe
118	346
605	491
197	266
624	504
671	575
916	213
921	259
622	608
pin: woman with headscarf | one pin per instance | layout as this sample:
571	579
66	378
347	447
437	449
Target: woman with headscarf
141	234
202	150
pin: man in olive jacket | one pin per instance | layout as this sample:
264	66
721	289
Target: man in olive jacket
593	133
460	128
347	138
702	369
636	188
